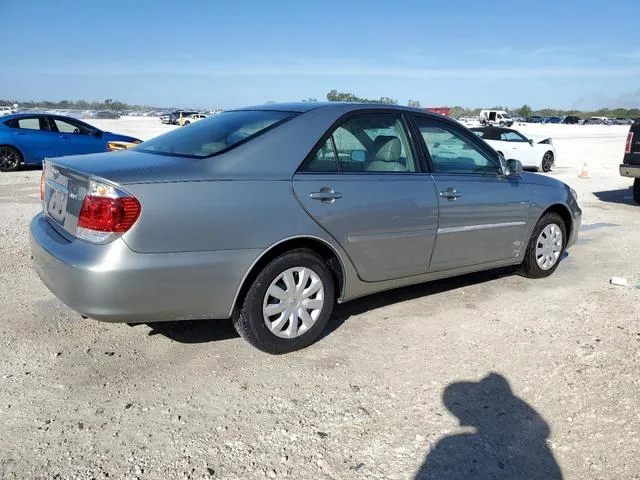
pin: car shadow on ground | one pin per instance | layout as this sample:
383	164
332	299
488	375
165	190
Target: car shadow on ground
504	437
204	331
623	195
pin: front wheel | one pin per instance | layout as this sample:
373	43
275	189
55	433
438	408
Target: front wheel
288	304
10	159
636	190
545	247
547	162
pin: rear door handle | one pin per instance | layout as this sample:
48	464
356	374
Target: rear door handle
450	194
326	194
20	133
66	137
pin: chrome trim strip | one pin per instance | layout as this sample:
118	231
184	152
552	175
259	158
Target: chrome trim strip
382	236
56	186
486	226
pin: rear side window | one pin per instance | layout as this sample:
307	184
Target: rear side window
29	123
214	135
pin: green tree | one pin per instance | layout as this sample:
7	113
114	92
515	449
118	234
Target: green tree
413	103
525	111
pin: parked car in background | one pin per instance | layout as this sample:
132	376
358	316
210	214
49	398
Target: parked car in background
5	111
193	118
538	154
596	121
631	162
270	214
174	117
469	121
495	117
535	119
571	120
27	139
106	114
623	121
553	120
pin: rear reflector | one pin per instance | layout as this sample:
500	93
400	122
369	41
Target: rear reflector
42	186
627	147
104	214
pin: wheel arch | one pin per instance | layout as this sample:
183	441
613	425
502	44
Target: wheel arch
322	248
20	151
565	214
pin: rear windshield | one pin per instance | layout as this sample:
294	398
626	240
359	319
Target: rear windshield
215	134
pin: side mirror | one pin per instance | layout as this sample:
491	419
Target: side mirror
97	133
531	142
358	155
513	168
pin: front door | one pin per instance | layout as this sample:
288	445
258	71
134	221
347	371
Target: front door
76	138
365	187
483	214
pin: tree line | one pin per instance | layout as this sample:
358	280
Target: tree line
336	96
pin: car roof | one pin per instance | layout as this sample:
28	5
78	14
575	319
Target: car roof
345	107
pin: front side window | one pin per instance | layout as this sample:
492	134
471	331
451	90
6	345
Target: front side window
451	152
214	134
69	126
512	137
375	143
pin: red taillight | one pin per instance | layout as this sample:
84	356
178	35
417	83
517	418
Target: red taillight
627	147
104	214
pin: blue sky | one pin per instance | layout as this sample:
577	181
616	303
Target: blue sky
564	53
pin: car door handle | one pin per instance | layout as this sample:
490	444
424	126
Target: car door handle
66	137
19	133
450	194
326	195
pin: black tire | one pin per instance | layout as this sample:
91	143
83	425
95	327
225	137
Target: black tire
636	190
547	161
10	158
186	123
529	267
248	319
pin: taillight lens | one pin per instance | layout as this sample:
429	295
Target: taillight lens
627	147
102	214
106	212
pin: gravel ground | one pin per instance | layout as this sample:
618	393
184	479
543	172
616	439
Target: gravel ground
440	380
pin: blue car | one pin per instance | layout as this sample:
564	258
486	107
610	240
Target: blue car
28	138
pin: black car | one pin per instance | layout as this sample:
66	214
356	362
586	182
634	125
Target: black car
106	115
630	166
571	120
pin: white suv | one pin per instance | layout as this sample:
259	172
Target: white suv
5	111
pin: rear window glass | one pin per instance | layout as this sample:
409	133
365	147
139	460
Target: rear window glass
215	134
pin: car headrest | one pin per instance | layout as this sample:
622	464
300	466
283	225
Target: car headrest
387	148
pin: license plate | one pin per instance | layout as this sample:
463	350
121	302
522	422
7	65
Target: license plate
57	206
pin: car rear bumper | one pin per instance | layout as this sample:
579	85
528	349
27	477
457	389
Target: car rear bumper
115	284
632	171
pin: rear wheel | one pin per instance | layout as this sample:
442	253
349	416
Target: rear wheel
288	304
545	247
547	162
10	159
636	190
186	122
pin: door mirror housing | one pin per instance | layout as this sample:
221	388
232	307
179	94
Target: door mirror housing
531	142
97	133
513	168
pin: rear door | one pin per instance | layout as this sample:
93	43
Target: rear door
364	184
31	135
483	214
76	138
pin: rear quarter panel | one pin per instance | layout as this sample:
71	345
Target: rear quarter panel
216	215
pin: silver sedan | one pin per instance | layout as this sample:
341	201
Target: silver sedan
271	214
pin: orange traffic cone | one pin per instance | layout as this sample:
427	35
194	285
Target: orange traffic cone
584	173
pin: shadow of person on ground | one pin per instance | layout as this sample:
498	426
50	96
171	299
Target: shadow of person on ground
509	441
623	195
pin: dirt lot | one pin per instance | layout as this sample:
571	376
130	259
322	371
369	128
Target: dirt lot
380	396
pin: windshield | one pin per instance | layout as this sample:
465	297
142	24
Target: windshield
215	134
